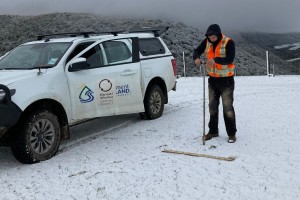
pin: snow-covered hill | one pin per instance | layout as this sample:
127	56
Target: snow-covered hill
121	157
250	52
255	45
291	47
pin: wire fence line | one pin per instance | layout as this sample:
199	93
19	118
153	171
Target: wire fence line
186	67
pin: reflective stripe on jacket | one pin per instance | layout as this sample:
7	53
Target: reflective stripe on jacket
218	70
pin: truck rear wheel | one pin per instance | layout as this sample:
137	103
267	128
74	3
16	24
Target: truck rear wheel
154	102
38	139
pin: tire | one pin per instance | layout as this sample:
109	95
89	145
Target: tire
154	103
38	139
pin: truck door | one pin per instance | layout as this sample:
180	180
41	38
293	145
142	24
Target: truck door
111	82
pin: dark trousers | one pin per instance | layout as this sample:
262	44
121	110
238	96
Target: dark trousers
221	87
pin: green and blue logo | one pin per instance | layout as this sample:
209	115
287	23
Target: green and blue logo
86	95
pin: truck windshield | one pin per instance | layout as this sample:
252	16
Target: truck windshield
34	55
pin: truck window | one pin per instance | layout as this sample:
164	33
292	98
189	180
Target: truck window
78	49
116	51
94	57
151	46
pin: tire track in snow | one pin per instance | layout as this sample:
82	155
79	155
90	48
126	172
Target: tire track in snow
88	138
70	145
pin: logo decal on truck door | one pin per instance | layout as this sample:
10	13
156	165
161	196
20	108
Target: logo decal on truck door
123	90
105	85
86	95
106	92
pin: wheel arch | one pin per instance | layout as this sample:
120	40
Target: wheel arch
161	83
56	108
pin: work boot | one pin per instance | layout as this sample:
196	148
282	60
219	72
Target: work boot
209	136
231	139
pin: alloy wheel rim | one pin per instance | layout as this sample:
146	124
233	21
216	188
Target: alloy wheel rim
42	136
155	103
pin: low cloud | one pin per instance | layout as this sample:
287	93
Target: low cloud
240	15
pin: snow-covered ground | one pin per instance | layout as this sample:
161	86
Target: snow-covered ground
120	157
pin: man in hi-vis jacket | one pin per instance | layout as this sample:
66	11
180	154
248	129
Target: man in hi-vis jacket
220	53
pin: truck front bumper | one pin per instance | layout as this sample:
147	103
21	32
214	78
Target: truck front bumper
9	111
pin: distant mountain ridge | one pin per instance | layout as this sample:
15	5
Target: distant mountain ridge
258	43
250	48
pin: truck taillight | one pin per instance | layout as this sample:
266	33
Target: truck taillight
173	61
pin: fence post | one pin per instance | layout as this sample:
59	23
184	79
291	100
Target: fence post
268	68
268	65
183	57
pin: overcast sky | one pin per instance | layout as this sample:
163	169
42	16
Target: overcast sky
241	15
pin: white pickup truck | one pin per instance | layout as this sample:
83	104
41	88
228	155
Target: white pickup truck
63	79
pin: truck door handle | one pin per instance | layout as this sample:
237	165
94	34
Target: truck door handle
128	72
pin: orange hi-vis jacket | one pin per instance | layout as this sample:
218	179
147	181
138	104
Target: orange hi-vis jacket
218	70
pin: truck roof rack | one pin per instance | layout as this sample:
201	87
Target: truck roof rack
84	34
157	31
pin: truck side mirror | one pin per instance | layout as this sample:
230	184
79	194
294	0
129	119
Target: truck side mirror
78	64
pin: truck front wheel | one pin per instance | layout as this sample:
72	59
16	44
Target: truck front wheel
38	138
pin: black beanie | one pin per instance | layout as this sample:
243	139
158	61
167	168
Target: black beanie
213	29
